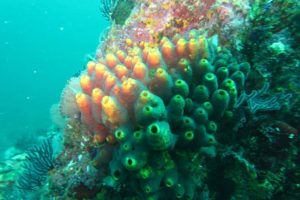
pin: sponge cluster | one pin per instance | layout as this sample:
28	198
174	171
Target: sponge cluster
159	103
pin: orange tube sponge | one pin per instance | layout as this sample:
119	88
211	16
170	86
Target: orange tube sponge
121	55
109	82
110	138
161	76
84	105
154	58
136	59
97	95
111	60
128	62
162	83
113	114
121	71
145	53
130	90
135	51
168	52
193	47
129	42
203	46
90	67
86	84
140	71
101	132
100	70
181	47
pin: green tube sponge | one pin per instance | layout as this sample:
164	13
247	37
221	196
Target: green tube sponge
188	136
176	109
171	177
239	78
130	163
153	197
121	134
210	81
159	136
222	74
176	105
211	127
233	93
151	186
199	135
149	114
233	67
189	106
208	107
203	68
245	68
161	160
228	115
201	94
149	108
189	188
185	138
204	139
126	146
185	70
200	115
208	140
220	101
227	84
187	124
116	170
138	136
179	191
116	174
221	62
146	172
181	87
134	161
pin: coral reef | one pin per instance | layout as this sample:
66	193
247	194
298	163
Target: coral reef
9	173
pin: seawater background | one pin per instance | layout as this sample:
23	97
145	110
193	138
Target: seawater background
42	44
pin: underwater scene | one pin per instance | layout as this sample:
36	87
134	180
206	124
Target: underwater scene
150	100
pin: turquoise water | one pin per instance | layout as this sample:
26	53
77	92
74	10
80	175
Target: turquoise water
42	44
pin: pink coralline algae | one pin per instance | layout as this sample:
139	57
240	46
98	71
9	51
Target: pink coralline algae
152	19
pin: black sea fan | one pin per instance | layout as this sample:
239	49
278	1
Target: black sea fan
107	8
116	10
39	160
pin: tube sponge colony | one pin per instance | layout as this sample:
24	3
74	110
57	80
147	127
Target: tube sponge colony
159	102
